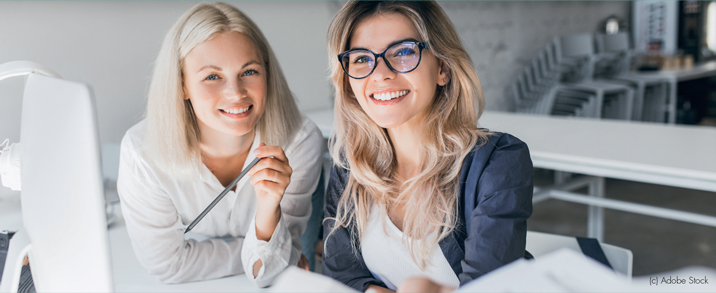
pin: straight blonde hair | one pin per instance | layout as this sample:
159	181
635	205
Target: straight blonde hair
364	148
172	131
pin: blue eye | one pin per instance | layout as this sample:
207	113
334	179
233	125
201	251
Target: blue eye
250	72
212	77
362	59
405	52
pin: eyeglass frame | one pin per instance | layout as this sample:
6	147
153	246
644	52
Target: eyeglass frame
421	46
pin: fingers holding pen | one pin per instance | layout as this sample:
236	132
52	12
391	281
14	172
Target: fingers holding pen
272	158
272	174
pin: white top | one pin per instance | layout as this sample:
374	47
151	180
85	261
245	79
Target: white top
389	259
158	208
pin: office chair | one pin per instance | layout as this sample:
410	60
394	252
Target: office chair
538	244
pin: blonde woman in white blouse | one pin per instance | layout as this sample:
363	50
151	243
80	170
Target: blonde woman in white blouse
217	100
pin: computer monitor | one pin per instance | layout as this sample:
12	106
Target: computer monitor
62	194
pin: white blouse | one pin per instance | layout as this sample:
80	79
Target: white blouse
157	209
388	259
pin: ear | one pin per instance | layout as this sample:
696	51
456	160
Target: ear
443	73
183	88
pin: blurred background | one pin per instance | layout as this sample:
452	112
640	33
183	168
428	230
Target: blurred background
524	52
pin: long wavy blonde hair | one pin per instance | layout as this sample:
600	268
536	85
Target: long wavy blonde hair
172	132
363	147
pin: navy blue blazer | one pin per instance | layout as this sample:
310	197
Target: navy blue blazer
495	200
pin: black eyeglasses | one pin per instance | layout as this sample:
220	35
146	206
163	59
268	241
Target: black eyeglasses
401	57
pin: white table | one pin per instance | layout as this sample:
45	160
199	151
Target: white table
673	155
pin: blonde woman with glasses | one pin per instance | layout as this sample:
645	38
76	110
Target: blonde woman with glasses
217	100
417	189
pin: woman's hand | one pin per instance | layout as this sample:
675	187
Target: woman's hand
270	177
423	284
303	263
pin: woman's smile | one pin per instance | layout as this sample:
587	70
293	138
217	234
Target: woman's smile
388	97
237	112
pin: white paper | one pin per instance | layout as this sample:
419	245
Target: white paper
294	279
561	271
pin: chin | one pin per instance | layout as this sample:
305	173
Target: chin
239	133
385	122
238	130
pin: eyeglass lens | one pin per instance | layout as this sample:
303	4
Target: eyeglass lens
401	57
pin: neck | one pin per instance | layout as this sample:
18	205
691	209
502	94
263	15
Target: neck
406	140
219	147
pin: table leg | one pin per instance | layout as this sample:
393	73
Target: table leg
672	99
595	215
561	177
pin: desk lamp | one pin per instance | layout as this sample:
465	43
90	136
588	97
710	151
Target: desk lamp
64	229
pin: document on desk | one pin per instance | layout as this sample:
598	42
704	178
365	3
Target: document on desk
294	279
561	271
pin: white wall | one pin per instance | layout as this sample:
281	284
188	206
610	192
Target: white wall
112	45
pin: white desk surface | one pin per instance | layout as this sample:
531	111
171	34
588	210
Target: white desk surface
675	155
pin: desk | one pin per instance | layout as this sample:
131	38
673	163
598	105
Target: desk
674	155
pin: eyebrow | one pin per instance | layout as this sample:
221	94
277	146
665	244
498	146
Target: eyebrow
217	68
393	43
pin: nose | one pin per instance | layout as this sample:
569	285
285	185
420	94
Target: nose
234	90
382	71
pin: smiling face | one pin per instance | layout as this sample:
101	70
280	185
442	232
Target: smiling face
394	99
225	80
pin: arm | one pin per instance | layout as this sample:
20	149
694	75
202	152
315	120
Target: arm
270	247
340	260
156	230
498	222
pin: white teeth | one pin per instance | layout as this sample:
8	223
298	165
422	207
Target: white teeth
389	96
237	110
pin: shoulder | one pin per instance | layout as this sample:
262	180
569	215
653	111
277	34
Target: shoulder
135	170
499	141
133	140
133	151
500	152
307	137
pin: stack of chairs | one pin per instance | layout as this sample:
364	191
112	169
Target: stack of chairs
569	78
575	53
655	95
538	90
